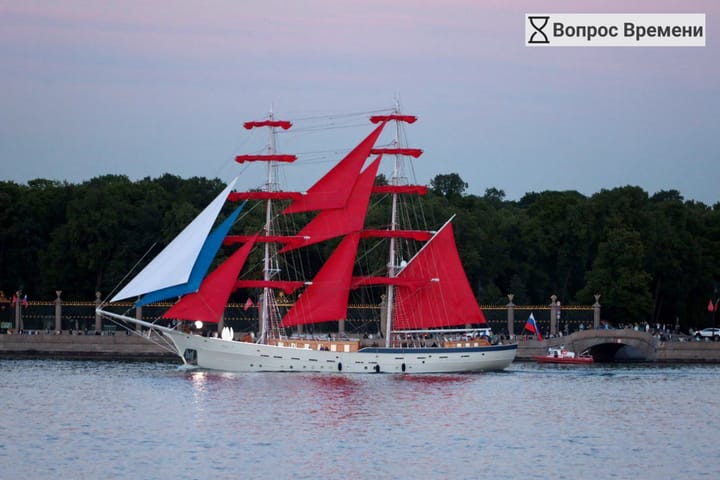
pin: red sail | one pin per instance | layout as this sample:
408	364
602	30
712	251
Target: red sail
445	299
332	191
261	195
419	235
412	152
277	157
363	281
284	124
326	298
233	239
340	221
387	118
208	303
419	189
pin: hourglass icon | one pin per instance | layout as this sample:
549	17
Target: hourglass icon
538	23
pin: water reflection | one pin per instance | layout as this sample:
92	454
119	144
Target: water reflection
201	378
441	380
198	379
336	398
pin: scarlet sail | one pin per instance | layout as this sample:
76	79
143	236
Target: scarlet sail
388	118
340	221
284	124
412	152
208	303
262	195
276	157
445	298
327	297
332	191
419	189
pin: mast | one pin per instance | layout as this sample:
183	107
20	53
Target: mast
263	326
393	226
271	187
396	187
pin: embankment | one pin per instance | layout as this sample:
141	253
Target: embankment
104	347
136	347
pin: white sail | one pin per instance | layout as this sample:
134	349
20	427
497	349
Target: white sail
173	265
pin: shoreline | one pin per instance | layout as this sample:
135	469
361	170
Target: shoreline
139	348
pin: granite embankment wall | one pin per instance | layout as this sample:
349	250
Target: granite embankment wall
686	351
102	347
135	347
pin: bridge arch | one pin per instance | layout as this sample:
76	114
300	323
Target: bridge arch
612	345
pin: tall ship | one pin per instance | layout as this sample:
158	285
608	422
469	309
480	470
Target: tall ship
429	317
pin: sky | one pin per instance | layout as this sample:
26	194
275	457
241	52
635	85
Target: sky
140	88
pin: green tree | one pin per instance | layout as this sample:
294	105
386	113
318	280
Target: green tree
556	239
449	185
35	212
618	274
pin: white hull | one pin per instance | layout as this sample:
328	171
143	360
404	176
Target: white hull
233	356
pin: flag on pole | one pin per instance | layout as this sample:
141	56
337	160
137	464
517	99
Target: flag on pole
248	304
532	326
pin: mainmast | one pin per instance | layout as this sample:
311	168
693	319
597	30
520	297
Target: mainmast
392	268
397	181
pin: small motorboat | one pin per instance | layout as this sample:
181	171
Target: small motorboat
562	355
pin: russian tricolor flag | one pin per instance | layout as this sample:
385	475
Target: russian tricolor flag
532	326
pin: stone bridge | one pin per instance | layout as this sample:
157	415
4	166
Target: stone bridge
611	345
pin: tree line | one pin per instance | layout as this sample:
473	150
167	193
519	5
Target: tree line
653	258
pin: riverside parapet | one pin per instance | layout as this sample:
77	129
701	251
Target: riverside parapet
620	345
101	347
139	348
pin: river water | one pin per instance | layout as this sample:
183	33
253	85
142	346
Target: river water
114	420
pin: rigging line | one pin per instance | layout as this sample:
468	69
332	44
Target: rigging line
165	344
245	138
315	152
325	128
321	127
247	212
368	251
132	269
336	118
223	165
343	115
363	121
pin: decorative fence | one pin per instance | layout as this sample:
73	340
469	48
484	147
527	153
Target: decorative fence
59	315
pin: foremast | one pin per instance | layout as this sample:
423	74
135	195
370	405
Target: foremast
268	324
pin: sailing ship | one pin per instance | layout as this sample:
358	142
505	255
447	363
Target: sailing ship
428	311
